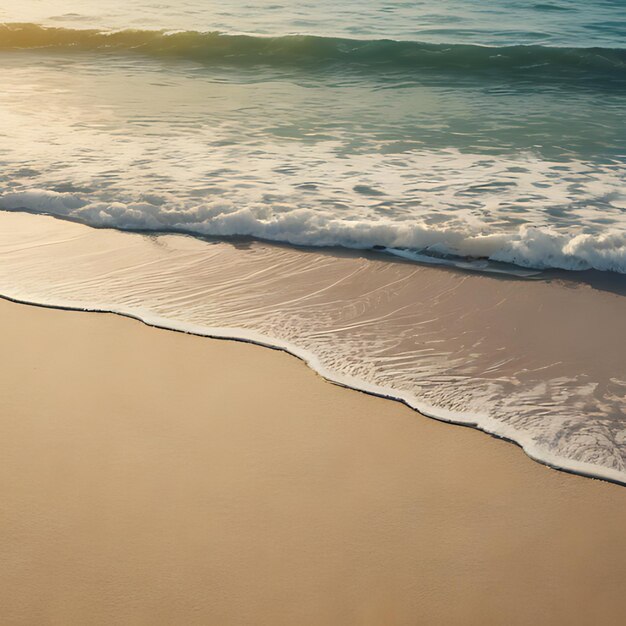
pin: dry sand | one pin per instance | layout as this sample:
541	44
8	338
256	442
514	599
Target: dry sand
150	477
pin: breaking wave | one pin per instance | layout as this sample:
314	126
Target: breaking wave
527	247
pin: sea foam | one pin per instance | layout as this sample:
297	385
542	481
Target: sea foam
528	246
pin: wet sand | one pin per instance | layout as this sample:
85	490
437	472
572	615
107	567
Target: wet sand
152	477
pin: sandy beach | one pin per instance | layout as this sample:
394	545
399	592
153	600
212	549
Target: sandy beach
312	313
251	491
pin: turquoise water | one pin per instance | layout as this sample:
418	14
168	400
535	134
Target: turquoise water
575	23
446	131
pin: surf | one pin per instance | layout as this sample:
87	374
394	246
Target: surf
318	52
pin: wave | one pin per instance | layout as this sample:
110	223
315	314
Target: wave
309	51
534	247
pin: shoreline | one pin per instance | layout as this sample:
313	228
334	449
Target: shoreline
584	470
138	494
524	383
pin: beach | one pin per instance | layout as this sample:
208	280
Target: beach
153	477
515	357
312	313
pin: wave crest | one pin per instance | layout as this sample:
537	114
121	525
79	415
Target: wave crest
312	51
528	246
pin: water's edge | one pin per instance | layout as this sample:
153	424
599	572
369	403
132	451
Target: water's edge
484	423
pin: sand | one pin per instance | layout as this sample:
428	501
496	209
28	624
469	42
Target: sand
152	477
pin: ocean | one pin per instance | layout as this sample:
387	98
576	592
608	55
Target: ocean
423	200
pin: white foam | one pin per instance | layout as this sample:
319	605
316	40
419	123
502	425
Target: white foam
527	246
